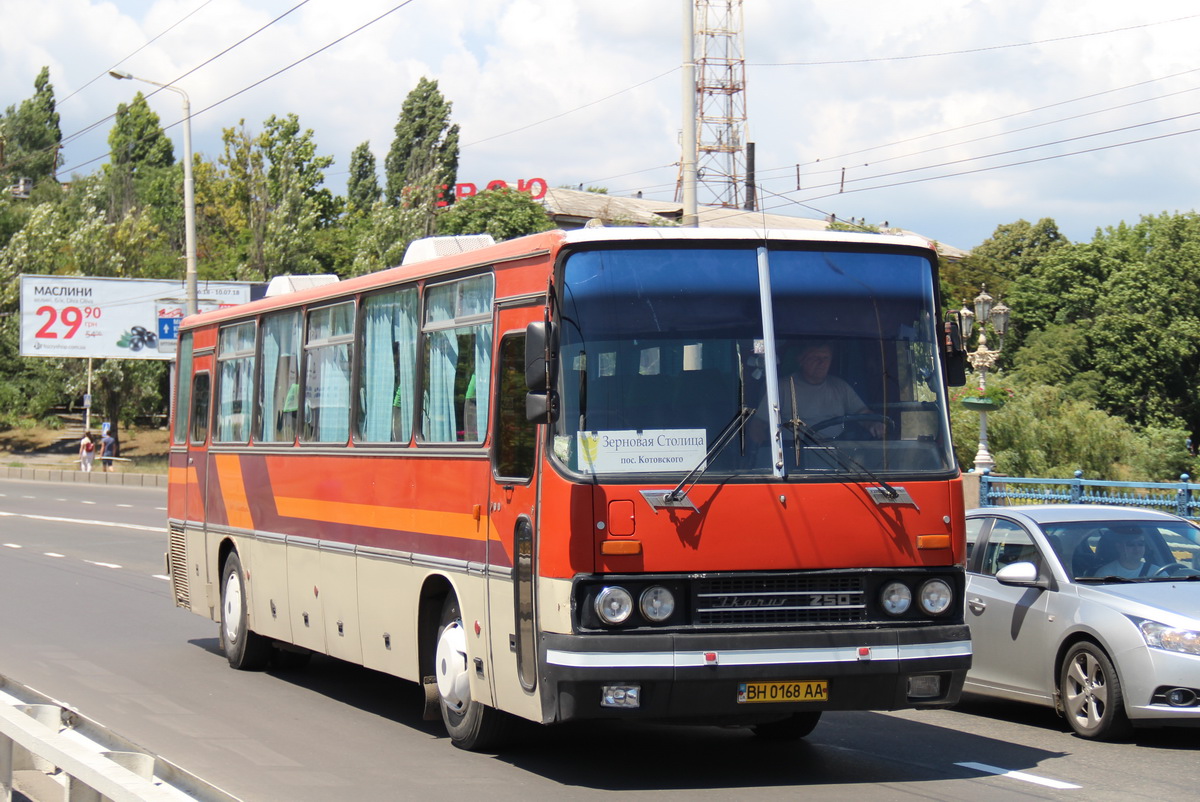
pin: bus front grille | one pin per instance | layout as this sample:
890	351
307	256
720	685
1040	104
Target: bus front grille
779	600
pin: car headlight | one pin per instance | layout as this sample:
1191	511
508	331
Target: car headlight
1161	636
614	604
896	598
936	596
657	604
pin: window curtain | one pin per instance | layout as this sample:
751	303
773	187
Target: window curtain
278	384
440	423
390	336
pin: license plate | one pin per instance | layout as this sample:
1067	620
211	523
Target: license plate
816	690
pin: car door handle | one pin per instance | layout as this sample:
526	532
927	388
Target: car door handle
977	605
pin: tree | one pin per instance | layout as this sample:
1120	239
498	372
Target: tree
362	188
424	154
504	213
1012	252
30	137
137	138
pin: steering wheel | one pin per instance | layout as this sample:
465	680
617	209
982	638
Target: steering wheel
1171	569
844	420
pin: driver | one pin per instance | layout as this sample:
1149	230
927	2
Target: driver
1130	562
820	396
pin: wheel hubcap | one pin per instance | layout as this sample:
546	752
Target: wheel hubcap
233	608
453	682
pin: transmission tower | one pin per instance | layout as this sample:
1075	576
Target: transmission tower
720	102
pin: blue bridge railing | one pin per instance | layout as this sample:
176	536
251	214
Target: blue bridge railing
1181	498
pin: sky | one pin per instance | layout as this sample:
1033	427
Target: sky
943	117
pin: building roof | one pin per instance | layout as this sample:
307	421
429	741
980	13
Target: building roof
570	208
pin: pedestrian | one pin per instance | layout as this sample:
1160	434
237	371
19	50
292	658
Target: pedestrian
87	452
108	450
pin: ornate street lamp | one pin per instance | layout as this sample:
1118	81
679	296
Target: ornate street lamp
983	359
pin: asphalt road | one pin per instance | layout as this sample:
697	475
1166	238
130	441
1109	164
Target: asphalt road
86	617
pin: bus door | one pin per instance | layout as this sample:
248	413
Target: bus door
195	501
513	522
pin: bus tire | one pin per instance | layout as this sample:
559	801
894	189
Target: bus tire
792	728
471	725
245	650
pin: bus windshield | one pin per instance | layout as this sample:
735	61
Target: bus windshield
661	349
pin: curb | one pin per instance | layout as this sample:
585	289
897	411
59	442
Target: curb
93	477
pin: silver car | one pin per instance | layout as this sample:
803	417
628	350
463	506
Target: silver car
1092	610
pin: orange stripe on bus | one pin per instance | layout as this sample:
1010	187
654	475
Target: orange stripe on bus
233	490
452	524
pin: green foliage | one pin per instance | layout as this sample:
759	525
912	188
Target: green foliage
1013	251
31	135
1119	316
137	139
1044	431
362	187
424	154
504	213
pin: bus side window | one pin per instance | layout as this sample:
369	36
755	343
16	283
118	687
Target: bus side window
183	394
457	350
279	378
200	404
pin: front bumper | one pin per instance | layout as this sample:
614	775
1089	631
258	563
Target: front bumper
696	676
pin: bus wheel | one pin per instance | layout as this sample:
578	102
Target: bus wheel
245	650
471	725
792	728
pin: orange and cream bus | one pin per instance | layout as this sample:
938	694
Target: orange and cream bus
577	475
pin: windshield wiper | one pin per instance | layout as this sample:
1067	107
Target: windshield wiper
734	426
844	461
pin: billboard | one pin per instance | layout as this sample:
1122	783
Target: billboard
114	318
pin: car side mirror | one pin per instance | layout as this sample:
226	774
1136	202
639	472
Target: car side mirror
1021	575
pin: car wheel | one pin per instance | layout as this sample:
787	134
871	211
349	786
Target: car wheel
1091	693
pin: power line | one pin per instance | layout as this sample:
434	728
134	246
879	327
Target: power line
274	74
970	50
161	34
571	111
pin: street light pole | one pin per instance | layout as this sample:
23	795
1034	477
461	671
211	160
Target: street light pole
189	188
984	358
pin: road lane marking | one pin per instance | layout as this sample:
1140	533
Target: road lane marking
12	545
52	554
161	576
84	521
125	505
87	502
1019	775
102	565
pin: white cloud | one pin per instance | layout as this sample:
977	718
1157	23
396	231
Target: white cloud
506	65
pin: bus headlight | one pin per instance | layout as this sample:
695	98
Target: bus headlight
657	604
936	596
614	604
896	598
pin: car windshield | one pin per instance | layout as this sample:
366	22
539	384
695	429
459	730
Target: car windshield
661	348
1124	551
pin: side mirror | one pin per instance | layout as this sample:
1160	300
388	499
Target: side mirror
537	353
954	354
1021	575
541	407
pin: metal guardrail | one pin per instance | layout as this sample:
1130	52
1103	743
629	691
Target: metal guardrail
1181	498
80	760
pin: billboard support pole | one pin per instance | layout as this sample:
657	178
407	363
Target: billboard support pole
87	410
